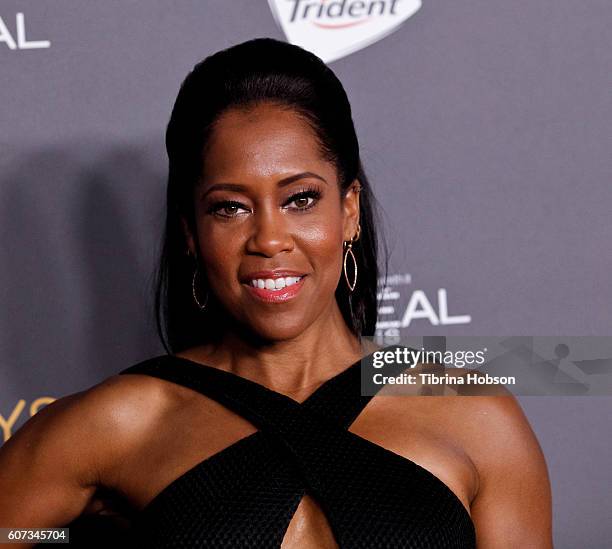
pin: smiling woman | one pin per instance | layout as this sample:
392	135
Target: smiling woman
262	222
251	431
264	161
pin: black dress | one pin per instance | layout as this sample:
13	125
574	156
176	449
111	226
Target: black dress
245	495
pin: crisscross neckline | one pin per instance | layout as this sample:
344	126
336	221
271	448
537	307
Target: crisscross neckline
311	441
321	397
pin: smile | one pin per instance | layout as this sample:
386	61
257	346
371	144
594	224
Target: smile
277	290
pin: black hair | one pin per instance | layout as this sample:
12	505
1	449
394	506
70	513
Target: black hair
244	75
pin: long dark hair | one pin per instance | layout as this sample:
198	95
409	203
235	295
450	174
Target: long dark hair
256	71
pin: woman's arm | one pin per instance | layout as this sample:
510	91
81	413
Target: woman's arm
47	468
51	467
512	507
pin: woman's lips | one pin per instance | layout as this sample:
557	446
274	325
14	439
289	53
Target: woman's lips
277	296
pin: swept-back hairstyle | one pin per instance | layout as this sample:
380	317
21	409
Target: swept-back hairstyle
242	76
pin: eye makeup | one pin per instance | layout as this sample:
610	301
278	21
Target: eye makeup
217	206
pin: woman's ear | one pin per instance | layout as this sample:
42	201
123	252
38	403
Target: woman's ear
188	237
350	208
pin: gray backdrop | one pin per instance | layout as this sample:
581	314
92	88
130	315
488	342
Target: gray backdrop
485	127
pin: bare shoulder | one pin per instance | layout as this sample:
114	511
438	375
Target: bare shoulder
51	467
511	505
513	499
488	424
124	411
122	402
485	417
99	425
129	402
492	426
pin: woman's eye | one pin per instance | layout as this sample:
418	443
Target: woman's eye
304	200
226	209
229	208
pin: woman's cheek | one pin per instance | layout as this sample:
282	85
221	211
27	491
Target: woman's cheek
220	255
326	258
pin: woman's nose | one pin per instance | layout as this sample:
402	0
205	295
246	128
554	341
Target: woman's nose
270	233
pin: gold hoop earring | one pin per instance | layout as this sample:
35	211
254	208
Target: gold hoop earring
193	291
348	251
348	244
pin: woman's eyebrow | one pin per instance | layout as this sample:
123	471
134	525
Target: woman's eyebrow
302	175
239	187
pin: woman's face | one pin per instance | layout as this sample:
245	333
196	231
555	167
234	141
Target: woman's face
267	201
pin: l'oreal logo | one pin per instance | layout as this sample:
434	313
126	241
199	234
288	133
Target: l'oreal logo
18	41
334	28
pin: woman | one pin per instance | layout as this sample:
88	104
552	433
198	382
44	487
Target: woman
251	431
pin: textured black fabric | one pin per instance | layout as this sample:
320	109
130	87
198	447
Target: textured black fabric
246	495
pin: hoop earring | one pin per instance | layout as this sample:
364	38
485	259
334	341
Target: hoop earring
193	291
348	246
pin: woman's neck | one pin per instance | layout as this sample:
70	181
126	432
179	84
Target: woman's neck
295	366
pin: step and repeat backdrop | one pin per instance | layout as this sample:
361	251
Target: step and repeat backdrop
485	128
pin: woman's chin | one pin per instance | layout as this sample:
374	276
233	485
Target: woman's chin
277	330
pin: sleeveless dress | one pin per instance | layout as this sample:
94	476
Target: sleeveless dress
245	495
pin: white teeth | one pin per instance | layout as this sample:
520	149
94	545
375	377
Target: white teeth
291	280
275	284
